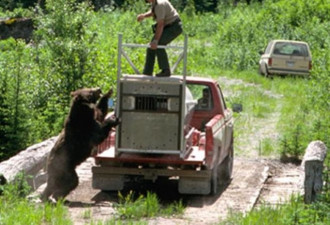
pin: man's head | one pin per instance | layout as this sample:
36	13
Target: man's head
206	93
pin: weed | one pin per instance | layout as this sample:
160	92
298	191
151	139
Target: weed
293	212
87	214
267	146
16	209
123	222
132	207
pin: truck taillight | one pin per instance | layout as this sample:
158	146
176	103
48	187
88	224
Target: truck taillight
310	65
209	139
270	62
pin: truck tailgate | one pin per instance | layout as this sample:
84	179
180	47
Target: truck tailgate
196	157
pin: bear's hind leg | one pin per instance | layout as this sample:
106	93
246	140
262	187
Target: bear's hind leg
50	187
68	183
45	194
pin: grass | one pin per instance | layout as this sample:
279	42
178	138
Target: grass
284	97
267	147
17	209
132	207
293	212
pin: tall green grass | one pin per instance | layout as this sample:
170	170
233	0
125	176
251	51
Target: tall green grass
17	209
228	40
292	212
132	207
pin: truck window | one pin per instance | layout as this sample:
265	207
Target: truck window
203	95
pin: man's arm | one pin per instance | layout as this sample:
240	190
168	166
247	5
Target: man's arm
158	34
142	16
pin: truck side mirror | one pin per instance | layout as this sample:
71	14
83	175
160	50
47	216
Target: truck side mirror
237	107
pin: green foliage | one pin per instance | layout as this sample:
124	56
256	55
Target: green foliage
76	47
14	4
17	188
62	34
267	147
14	77
16	13
294	212
17	209
130	207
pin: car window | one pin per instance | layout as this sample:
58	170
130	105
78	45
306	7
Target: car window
285	48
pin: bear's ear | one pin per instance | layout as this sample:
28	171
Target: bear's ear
96	92
77	95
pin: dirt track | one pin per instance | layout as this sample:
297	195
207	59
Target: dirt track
255	180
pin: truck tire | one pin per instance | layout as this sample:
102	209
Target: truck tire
221	175
226	167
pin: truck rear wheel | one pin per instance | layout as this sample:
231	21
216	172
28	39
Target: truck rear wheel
215	180
223	172
226	168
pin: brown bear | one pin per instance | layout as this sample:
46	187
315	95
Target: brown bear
84	129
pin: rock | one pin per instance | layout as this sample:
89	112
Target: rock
29	161
18	28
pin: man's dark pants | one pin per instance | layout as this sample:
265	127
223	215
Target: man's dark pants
169	34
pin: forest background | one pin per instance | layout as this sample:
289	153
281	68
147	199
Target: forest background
75	45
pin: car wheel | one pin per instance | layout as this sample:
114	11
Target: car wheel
260	71
266	72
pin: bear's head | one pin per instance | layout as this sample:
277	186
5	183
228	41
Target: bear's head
87	95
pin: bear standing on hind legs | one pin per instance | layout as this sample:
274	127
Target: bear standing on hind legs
84	129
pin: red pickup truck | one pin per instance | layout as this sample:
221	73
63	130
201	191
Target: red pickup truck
176	127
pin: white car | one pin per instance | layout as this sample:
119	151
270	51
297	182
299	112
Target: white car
286	57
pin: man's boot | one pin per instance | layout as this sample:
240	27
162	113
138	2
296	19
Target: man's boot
164	73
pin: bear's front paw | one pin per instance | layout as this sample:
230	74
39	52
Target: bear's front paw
109	93
113	121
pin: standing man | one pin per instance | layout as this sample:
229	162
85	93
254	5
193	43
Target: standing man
168	26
